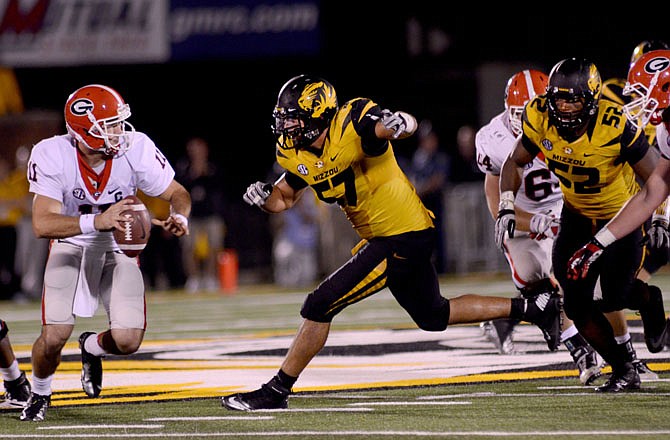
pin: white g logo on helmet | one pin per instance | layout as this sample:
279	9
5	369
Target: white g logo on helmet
658	64
82	106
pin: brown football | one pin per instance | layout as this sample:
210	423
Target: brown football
133	239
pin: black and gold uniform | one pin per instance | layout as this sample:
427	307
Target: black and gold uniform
344	154
359	171
590	163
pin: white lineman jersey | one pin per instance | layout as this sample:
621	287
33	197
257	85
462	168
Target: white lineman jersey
529	259
540	190
663	140
55	170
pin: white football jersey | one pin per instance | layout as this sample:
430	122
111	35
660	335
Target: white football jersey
540	190
55	171
663	140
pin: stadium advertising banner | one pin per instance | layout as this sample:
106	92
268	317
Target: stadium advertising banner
41	33
202	29
37	33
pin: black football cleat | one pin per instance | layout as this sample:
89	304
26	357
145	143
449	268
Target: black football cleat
17	392
625	380
36	409
544	310
269	396
91	369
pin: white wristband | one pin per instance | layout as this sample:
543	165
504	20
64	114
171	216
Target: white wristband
506	200
181	218
605	237
87	223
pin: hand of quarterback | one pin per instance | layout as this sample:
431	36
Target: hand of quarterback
581	261
399	122
257	193
176	224
544	226
659	237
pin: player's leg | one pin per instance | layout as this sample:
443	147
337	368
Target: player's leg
60	283
17	387
360	277
122	292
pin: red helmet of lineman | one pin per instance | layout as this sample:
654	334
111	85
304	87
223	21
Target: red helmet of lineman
521	88
95	115
648	84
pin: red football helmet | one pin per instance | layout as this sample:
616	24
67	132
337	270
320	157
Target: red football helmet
95	115
648	84
521	88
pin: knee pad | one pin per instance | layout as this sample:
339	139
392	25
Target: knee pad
435	319
3	329
533	289
316	310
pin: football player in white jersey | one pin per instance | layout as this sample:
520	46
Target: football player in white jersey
538	205
79	181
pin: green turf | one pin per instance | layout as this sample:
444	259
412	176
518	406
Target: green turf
530	409
527	408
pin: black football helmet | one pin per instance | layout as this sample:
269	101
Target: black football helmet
647	46
573	79
305	107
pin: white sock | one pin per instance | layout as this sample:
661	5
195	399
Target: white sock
12	372
91	345
623	338
568	333
42	386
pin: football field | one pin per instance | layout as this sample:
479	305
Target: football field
377	377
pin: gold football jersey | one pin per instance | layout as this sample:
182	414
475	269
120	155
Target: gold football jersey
374	193
591	168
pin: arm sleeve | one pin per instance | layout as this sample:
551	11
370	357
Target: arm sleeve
530	145
364	116
294	181
634	144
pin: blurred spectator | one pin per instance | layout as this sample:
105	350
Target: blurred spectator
202	178
31	252
11	100
13	192
161	260
295	240
295	248
429	173
464	166
336	238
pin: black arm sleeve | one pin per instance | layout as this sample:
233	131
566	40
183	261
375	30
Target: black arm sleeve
530	146
364	125
294	181
634	144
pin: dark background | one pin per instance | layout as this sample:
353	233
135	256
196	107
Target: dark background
383	56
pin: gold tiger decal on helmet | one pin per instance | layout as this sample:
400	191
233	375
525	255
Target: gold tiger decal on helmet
594	82
317	98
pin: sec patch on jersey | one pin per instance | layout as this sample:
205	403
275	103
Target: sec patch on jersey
135	235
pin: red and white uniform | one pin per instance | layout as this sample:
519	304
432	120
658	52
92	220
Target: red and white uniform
91	265
663	140
529	259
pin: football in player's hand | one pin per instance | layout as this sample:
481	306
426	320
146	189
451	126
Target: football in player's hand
135	235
